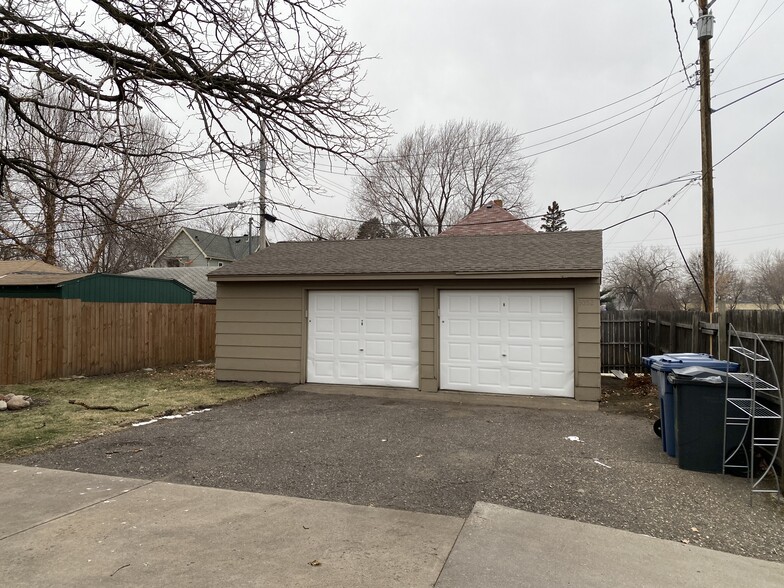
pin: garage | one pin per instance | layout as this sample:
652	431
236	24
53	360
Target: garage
512	315
365	338
507	342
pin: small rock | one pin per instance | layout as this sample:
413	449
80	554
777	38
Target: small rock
18	402
3	405
148	370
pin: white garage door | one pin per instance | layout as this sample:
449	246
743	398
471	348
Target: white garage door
364	337
508	342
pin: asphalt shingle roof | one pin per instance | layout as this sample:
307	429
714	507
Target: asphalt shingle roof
220	247
194	278
537	252
490	219
29	266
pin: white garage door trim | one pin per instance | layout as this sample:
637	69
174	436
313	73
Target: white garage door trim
507	341
364	337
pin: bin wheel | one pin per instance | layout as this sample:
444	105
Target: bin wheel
657	427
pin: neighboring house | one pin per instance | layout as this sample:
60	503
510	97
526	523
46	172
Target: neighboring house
45	281
195	248
194	278
498	314
490	219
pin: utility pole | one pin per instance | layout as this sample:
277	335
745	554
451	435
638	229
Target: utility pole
262	188
250	235
704	34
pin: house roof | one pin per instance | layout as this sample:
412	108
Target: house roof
490	219
571	251
26	278
194	278
219	247
29	266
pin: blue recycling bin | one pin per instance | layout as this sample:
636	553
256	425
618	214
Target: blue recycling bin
660	366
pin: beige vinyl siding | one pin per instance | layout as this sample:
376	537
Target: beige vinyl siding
587	385
261	326
259	333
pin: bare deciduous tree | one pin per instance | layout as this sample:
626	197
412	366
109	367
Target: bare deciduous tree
329	229
248	73
730	283
436	176
644	277
98	209
766	278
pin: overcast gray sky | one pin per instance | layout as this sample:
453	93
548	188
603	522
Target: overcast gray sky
528	64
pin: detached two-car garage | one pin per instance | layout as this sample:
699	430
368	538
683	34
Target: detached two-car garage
511	314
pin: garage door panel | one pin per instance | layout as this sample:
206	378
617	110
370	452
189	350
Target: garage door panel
375	326
363	338
459	328
551	355
520	329
552	330
488	328
551	305
520	304
489	304
348	302
375	349
459	351
346	348
402	327
488	376
522	353
510	342
488	352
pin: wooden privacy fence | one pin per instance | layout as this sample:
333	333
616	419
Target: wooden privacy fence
49	338
628	335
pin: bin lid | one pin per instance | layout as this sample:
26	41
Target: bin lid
670	362
696	373
648	361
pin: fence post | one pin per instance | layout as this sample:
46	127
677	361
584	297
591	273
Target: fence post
673	334
722	319
657	335
695	332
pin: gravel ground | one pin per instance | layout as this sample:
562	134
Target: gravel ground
440	458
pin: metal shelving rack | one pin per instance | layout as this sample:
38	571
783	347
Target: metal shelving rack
746	412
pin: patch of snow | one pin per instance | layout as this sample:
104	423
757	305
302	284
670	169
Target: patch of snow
171	417
573	438
604	465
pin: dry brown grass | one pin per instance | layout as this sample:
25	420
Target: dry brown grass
52	421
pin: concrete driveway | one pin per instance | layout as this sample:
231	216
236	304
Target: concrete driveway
442	459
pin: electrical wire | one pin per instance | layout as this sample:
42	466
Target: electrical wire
678	42
757	132
677	243
714	110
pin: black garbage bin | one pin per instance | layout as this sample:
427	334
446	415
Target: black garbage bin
699	419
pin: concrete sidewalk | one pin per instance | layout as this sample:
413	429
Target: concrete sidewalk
72	529
501	546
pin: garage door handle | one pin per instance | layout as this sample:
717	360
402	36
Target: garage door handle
361	349
503	355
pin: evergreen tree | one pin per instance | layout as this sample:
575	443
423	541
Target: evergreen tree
554	220
372	229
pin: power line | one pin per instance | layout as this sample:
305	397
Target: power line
678	42
757	132
749	94
677	243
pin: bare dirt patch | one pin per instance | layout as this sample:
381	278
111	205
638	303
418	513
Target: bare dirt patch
634	396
